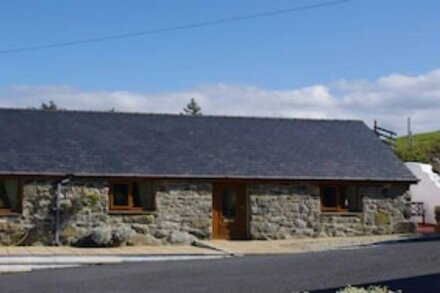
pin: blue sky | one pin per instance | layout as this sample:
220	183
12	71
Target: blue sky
357	41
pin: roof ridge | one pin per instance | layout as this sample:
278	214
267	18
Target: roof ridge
180	115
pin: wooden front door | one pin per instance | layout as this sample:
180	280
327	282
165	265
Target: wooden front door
229	218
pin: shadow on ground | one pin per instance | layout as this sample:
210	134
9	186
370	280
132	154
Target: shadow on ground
425	284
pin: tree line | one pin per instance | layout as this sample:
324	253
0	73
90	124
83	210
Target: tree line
191	109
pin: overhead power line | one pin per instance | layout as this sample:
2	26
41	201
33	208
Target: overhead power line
173	28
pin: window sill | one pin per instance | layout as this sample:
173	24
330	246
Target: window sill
9	214
129	212
341	213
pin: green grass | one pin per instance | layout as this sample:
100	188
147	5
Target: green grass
424	145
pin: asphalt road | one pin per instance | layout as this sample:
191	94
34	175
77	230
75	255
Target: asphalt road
413	267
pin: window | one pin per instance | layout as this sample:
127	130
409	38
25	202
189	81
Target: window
229	203
340	198
9	196
132	196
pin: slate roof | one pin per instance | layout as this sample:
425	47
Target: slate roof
161	145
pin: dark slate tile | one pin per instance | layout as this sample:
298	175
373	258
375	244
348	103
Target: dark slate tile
96	143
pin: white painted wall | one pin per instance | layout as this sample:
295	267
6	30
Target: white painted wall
427	190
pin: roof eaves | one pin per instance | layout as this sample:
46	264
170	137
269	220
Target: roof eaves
218	176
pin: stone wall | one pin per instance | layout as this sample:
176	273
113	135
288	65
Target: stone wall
84	211
184	213
35	224
283	211
84	208
387	209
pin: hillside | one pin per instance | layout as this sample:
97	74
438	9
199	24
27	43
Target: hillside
426	148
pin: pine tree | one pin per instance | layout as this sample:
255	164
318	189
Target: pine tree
192	108
51	106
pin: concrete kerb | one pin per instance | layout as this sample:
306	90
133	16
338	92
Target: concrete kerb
207	246
14	264
9	269
400	238
98	259
294	246
406	238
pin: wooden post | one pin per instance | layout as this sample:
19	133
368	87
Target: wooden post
409	137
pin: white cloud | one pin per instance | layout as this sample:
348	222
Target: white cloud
389	99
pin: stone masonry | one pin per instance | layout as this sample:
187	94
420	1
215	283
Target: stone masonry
35	224
184	213
283	211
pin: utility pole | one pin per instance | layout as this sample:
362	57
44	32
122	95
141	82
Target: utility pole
58	210
409	136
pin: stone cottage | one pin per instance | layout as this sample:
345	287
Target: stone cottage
102	178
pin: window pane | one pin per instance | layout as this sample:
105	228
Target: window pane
9	194
4	200
229	203
143	195
329	197
353	200
343	201
120	194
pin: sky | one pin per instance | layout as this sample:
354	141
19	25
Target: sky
359	59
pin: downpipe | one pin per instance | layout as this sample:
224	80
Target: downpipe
58	210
